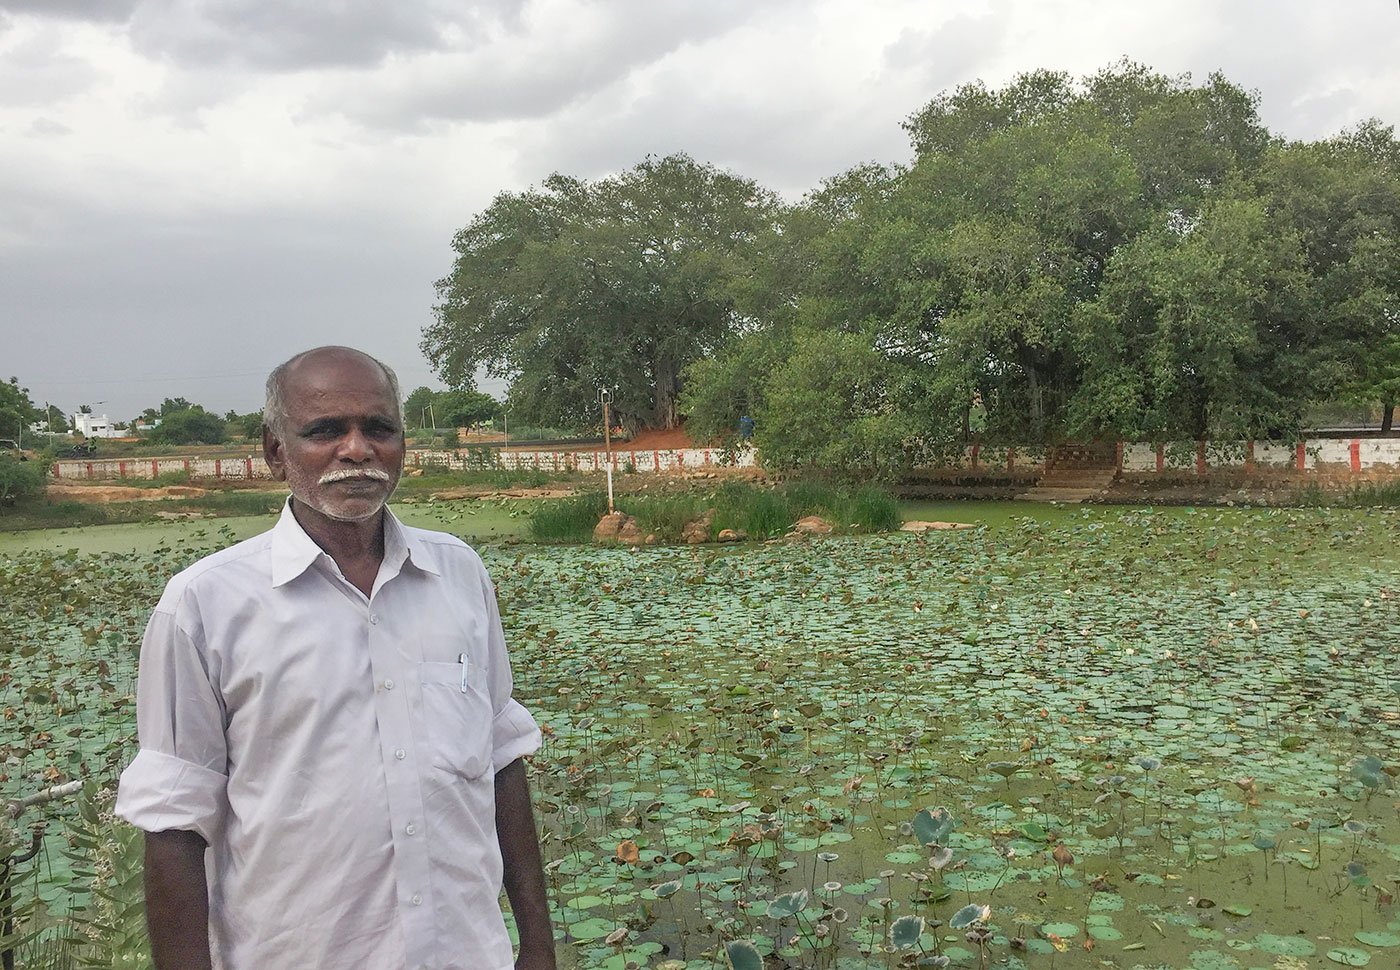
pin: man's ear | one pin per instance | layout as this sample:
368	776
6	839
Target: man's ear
273	454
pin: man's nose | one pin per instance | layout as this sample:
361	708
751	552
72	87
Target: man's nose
354	446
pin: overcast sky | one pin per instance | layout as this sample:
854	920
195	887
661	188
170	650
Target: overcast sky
193	190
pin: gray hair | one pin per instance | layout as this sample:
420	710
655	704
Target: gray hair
275	405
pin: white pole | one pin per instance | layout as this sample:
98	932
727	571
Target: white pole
605	397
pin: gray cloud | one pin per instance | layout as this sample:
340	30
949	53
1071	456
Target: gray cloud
947	55
48	128
785	145
280	36
532	75
1316	66
36	72
285	35
102	11
130	311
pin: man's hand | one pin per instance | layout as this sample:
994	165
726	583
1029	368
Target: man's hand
177	901
524	870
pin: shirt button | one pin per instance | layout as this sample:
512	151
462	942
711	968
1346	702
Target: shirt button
417	899
410	828
399	753
388	685
374	618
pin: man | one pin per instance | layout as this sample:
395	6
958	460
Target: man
325	715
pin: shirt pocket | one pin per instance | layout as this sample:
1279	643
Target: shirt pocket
457	717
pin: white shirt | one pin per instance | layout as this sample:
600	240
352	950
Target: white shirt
337	752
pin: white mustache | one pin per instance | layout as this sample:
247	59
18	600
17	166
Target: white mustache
341	474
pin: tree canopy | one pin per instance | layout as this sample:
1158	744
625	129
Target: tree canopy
462	408
17	411
1127	254
183	423
617	284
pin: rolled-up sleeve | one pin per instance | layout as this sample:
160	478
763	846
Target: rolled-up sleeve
178	780
514	732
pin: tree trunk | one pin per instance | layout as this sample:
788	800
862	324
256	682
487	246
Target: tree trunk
1033	390
668	381
1387	416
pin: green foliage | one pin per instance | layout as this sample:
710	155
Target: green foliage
248	426
766	514
664	516
107	855
870	509
569	519
464	408
1129	254
757	511
811	496
616	284
192	425
19	479
17	411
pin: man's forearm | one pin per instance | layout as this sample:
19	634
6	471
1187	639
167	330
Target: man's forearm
524	869
177	901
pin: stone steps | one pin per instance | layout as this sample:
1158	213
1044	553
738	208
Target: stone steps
1065	496
1069	486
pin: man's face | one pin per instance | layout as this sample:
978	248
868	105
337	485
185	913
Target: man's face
341	447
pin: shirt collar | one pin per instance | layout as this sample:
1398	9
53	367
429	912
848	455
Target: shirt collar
293	551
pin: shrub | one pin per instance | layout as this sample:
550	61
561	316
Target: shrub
811	497
768	514
19	479
664	515
568	520
870	510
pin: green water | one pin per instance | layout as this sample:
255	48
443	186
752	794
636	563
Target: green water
474	519
1199	705
497	519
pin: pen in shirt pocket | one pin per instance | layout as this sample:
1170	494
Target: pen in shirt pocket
462	659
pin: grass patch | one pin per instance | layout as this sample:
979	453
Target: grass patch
664	515
568	519
763	513
1365	496
870	509
435	479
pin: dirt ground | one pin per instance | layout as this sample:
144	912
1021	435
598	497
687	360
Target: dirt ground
452	494
99	494
644	441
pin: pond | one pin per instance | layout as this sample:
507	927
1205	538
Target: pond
1152	739
484	519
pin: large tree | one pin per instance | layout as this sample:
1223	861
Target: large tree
1342	199
449	409
971	270
617	284
17	411
1203	331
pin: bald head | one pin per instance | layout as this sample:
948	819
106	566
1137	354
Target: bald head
275	407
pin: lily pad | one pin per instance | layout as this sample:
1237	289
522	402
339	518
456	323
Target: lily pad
1377	938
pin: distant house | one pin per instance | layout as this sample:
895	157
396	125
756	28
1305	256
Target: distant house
93	426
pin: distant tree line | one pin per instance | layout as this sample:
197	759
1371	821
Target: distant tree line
1126	255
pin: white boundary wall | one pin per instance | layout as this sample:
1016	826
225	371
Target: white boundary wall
1364	456
1330	455
115	469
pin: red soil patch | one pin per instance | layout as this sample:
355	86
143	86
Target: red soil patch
658	440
